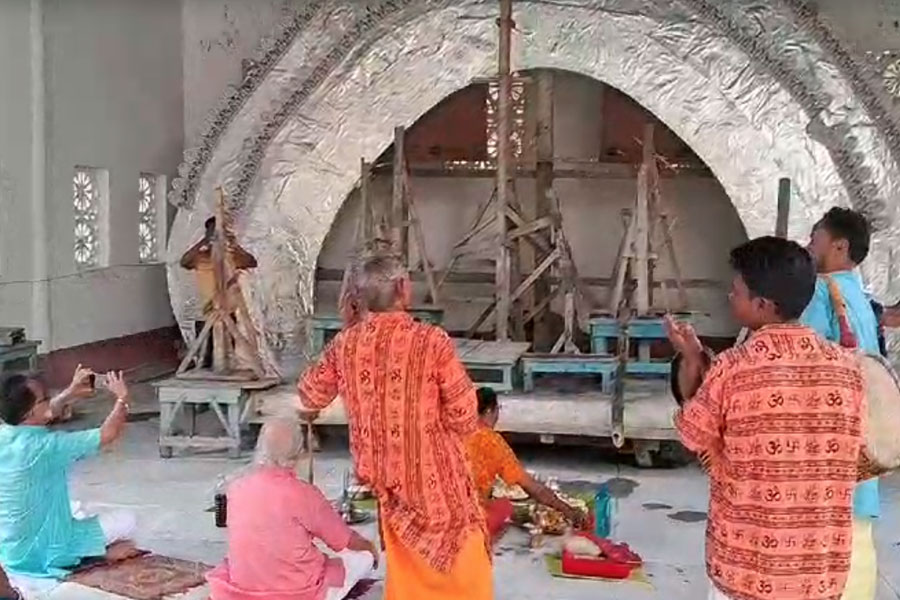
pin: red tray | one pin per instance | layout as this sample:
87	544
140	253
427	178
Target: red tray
594	567
617	563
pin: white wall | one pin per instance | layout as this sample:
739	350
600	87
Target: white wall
218	35
15	164
111	73
114	101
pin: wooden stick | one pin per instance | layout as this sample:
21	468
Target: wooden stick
641	239
784	207
194	351
477	226
504	155
543	304
365	228
239	339
622	268
543	181
532	227
399	209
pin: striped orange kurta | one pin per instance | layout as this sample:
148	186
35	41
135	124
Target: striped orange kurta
410	404
782	418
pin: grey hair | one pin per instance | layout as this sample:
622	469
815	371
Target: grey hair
379	282
280	443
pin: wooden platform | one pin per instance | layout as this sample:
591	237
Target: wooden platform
604	365
229	400
646	330
491	364
19	357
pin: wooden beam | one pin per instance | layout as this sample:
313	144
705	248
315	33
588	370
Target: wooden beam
484	278
534	275
366	229
543	180
504	156
220	302
642	224
399	205
529	228
784	207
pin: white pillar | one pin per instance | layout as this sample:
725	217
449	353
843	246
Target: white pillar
40	293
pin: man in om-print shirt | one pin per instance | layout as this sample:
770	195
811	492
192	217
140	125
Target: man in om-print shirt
778	421
410	405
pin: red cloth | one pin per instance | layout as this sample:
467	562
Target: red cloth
498	513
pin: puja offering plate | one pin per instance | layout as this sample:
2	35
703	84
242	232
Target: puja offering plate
511	492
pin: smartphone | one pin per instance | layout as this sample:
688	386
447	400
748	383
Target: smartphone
92	381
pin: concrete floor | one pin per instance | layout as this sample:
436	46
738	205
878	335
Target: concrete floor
659	514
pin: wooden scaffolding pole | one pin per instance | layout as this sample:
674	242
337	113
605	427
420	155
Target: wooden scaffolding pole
504	100
543	181
784	207
399	205
642	224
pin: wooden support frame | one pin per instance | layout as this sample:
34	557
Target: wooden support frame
220	322
637	257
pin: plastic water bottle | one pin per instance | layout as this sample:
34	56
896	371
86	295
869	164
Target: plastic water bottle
603	509
220	501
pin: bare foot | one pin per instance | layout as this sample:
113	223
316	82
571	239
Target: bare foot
120	551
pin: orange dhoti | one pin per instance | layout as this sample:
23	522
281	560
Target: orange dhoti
410	577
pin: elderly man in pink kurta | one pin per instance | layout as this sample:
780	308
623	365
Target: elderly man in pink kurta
273	521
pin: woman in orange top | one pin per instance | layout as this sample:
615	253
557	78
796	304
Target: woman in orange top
491	457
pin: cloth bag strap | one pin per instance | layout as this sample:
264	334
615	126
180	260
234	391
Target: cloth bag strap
847	337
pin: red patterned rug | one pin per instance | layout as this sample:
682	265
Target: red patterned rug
148	577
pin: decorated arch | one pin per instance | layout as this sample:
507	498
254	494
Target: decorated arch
759	90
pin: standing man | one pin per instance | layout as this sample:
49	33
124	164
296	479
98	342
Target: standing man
839	243
410	404
779	422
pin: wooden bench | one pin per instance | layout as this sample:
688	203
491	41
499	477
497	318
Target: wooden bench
604	365
326	327
491	364
228	400
19	357
646	330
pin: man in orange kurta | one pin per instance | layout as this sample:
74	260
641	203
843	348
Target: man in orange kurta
410	404
779	421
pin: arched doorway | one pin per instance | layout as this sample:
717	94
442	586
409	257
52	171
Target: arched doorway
450	151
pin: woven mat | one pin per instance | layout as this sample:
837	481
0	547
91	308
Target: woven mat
148	577
554	567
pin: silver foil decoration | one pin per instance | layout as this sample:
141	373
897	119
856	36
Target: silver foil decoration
757	88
